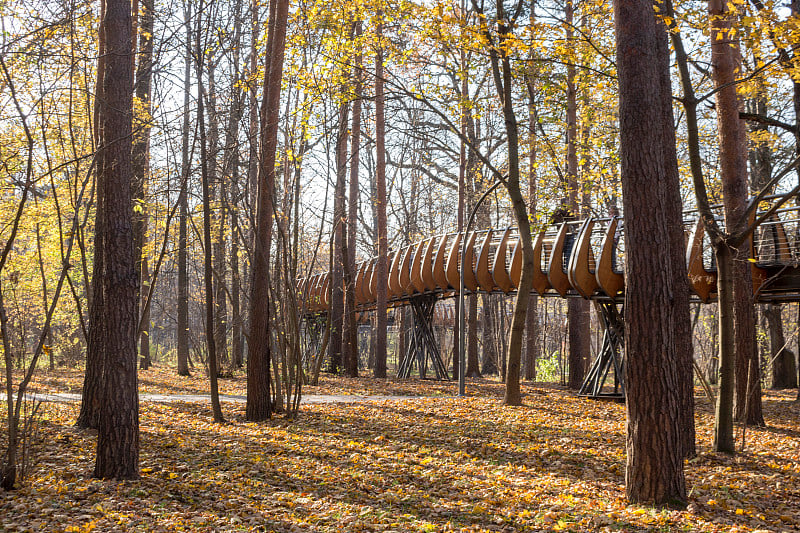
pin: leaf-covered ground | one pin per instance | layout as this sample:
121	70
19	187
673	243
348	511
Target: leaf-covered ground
427	464
164	380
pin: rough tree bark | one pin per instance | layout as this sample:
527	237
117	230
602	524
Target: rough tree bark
89	416
118	428
183	275
732	135
259	406
351	327
656	307
141	165
382	268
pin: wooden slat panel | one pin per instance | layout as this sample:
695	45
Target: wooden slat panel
395	287
405	272
453	277
703	282
310	295
359	284
515	271
580	276
325	293
427	265
482	273
610	282
416	266
499	272
372	281
540	282
555	271
439	262
470	281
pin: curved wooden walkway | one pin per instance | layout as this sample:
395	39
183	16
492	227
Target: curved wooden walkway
582	258
573	259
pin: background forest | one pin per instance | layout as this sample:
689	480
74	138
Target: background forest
443	125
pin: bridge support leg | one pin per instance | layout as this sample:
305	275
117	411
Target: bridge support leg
314	329
422	346
610	358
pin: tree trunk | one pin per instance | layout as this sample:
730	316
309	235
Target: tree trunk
489	357
118	430
656	307
183	275
502	75
336	346
381	267
351	329
259	348
577	308
213	365
732	136
532	320
144	331
89	416
141	163
8	475
473	368
723	429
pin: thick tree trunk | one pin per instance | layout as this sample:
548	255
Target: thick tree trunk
259	403
656	307
732	135
118	430
382	267
89	416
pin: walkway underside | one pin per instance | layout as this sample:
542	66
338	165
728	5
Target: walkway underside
580	259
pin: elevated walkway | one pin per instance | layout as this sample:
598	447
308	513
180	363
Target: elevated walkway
573	259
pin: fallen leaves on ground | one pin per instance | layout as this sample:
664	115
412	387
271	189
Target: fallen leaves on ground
427	464
165	380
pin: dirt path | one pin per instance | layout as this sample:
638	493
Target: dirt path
65	397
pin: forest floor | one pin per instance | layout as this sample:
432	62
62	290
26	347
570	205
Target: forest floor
433	463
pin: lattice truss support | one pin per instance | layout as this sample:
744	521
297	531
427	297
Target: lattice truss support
422	348
314	332
610	359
